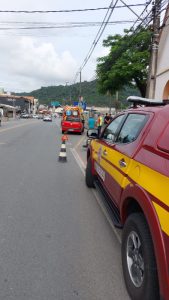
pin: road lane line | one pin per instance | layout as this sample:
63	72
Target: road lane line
78	160
82	167
79	142
16	126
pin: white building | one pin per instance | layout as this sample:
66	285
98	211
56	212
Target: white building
162	77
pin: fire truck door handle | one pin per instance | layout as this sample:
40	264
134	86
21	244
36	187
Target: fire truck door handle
122	163
105	152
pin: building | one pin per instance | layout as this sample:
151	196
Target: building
162	75
13	103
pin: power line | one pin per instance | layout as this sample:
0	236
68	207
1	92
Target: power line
130	9
96	40
148	18
66	25
144	10
64	10
98	36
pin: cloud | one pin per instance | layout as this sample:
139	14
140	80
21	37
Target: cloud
38	63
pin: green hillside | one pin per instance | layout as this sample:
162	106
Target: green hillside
70	93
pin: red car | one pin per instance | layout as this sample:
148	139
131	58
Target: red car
72	120
129	165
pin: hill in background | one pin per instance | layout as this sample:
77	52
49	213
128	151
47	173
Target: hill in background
69	93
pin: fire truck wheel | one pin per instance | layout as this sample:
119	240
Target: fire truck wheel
62	131
138	259
89	176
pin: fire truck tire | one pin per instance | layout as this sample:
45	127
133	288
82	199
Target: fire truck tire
138	259
89	176
62	131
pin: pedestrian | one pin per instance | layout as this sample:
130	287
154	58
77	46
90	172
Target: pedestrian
99	123
106	119
91	122
110	118
91	125
83	119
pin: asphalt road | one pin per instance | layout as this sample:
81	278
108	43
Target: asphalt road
55	241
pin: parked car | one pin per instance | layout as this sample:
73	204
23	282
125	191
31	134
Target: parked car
24	116
35	116
129	165
47	118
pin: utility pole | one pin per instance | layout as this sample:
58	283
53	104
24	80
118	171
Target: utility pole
151	84
80	87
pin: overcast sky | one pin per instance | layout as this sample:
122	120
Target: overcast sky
30	59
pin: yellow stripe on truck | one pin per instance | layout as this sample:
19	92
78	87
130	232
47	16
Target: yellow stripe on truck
115	172
163	216
152	181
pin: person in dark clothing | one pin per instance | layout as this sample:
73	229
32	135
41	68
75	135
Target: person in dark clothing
110	118
106	119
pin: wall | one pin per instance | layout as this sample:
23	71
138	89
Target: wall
162	79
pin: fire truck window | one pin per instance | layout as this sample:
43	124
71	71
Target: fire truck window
111	129
131	128
68	113
75	113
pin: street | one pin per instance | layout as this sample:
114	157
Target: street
55	241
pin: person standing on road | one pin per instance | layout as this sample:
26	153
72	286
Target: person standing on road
91	122
106	119
99	123
110	118
91	125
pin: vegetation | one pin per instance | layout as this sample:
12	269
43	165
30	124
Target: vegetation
127	62
123	72
69	94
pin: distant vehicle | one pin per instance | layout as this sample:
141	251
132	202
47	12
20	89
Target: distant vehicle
47	118
72	119
24	116
40	116
35	117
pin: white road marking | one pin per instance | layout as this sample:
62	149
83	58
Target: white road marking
82	167
78	160
81	140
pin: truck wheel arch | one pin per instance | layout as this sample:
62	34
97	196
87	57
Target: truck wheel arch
133	199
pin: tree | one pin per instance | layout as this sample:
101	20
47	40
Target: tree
127	62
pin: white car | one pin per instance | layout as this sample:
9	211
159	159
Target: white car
47	118
35	116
